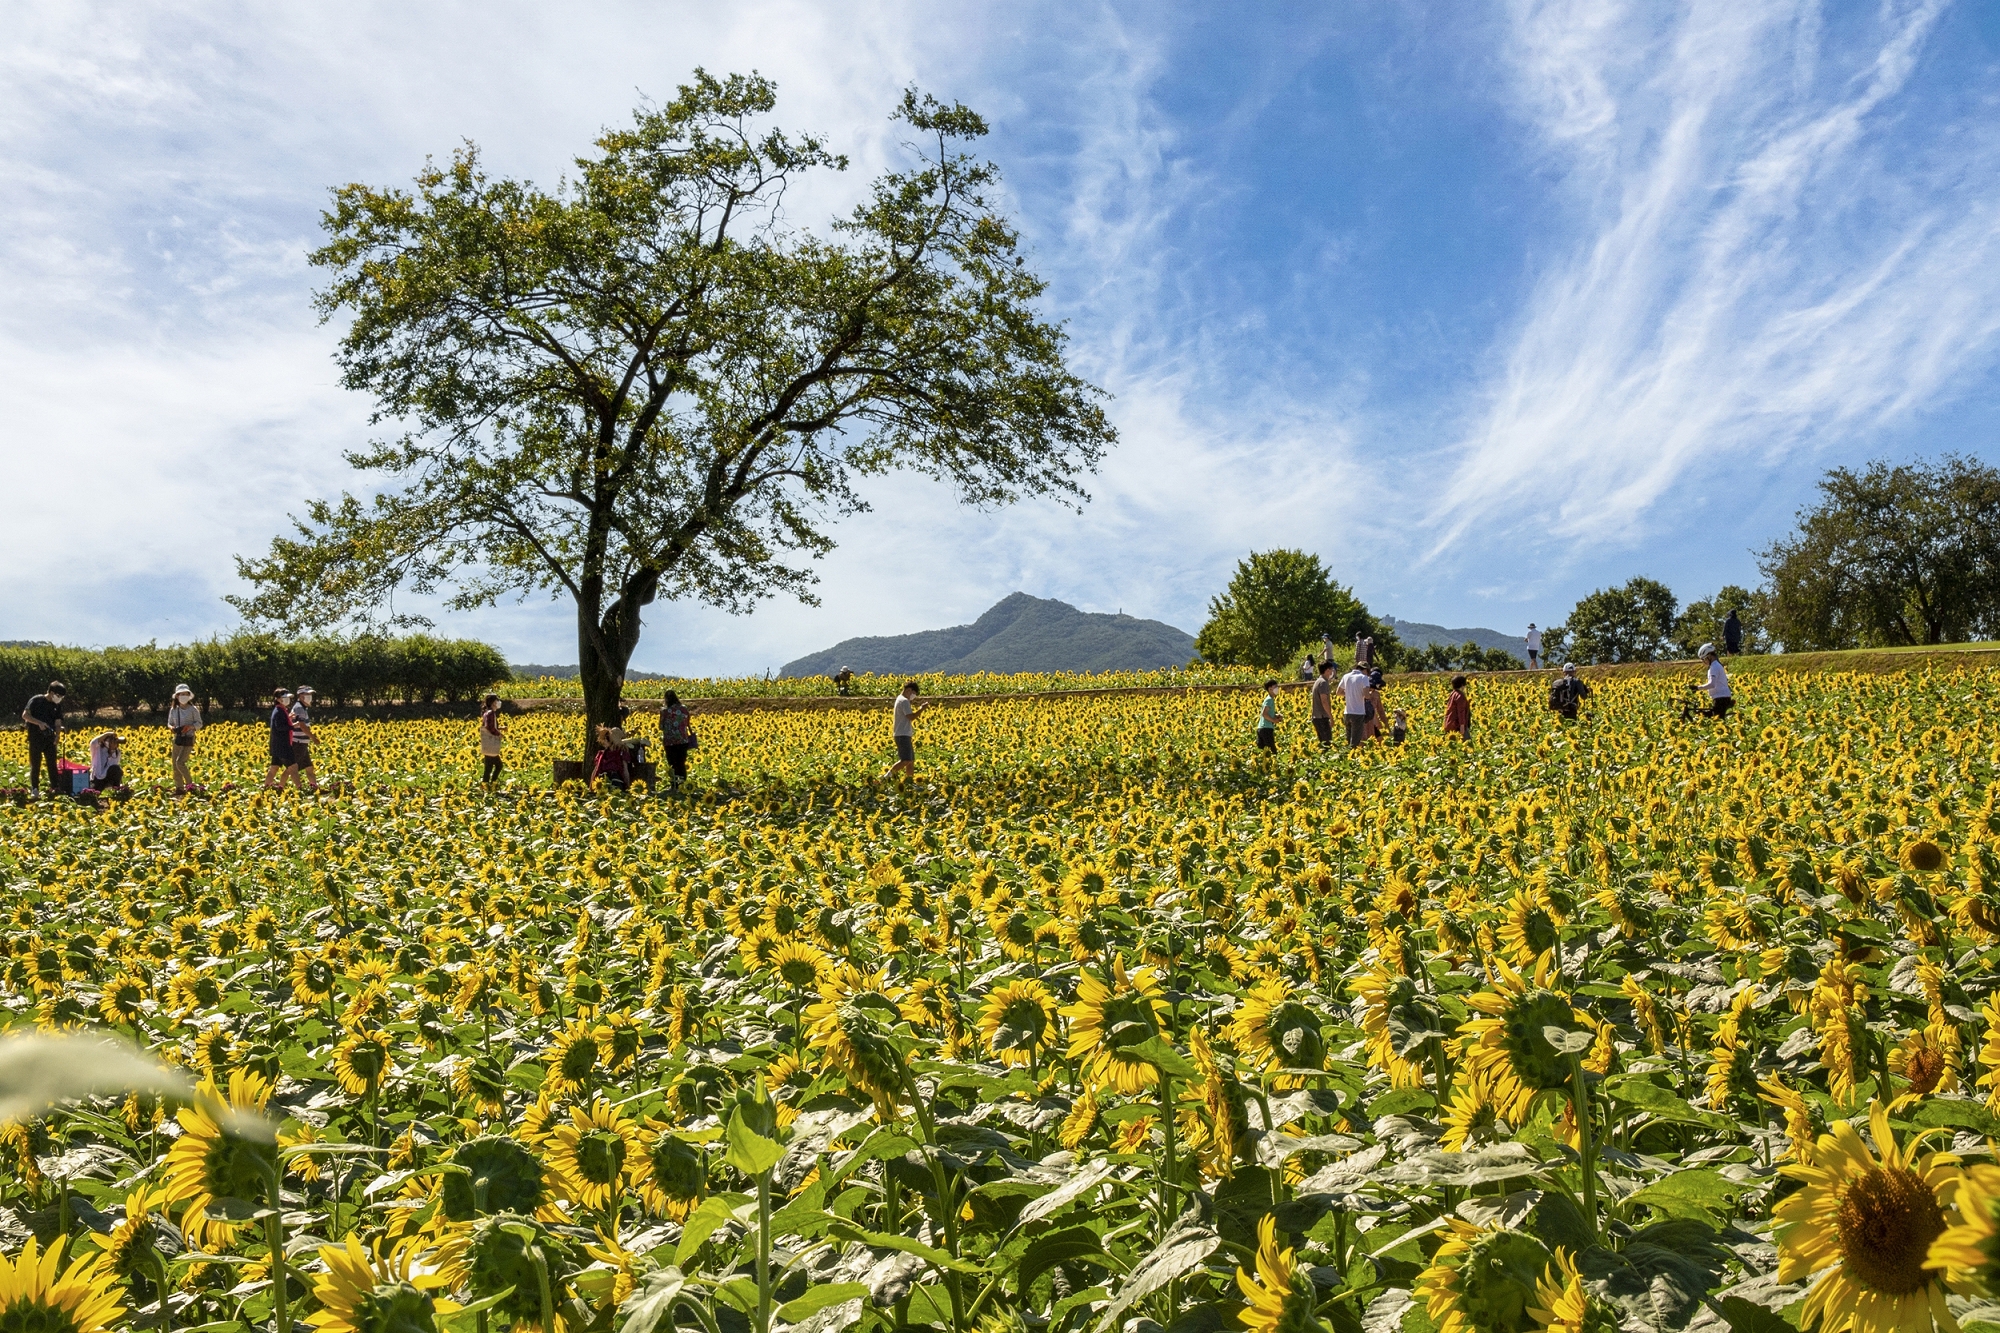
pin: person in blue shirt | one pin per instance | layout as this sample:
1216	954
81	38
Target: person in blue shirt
1267	718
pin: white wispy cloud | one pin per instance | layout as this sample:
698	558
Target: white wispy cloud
1770	256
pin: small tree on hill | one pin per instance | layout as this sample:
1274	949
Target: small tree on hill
1278	601
1633	622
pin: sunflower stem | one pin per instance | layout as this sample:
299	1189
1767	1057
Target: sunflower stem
160	1277
763	1252
1169	1200
274	1238
1579	1101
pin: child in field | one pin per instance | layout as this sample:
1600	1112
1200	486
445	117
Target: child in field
490	734
1401	728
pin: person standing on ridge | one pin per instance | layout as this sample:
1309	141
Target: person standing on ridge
907	711
1534	642
44	718
1732	633
1322	704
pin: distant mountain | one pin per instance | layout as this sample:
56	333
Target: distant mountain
1419	635
1019	633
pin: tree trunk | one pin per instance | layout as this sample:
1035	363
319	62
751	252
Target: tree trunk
600	677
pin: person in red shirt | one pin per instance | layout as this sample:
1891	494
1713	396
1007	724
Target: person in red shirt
1458	710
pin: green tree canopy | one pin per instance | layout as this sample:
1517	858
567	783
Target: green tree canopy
1277	606
1701	621
1633	622
1891	555
647	384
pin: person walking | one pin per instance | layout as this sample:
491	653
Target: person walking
906	711
1534	642
107	760
1354	691
1458	710
1364	650
677	735
1732	633
843	682
184	723
1566	696
1377	717
282	767
1267	718
491	733
1720	698
43	716
1322	704
1326	648
304	775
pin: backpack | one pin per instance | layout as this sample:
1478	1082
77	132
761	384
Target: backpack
1559	696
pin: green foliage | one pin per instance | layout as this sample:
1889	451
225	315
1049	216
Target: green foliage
1633	622
243	669
1278	600
1891	556
1467	656
645	384
1701	622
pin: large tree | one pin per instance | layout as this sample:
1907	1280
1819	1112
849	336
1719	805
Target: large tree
1891	555
646	383
1633	622
1277	606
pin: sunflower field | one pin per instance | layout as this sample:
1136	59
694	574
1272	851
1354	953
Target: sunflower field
1106	1023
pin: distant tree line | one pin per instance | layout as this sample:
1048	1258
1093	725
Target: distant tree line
241	670
1886	556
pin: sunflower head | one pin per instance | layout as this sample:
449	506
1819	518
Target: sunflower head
1483	1281
222	1153
1563	1305
358	1294
1921	856
502	1176
39	1295
1018	1020
679	1174
1277	1300
499	1252
1870	1216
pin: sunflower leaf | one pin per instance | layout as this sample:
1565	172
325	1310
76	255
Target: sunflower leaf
817	1299
1179	1253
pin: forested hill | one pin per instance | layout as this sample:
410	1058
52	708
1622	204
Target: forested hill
1019	633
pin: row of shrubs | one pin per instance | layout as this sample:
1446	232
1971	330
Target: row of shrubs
242	670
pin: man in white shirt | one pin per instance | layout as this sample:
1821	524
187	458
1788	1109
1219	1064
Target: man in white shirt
907	711
1534	642
1354	688
1720	699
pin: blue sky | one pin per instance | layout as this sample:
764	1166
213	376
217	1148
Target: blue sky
1487	305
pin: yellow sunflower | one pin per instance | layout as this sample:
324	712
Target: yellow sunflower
1968	1251
1563	1304
596	1155
1271	1030
361	1061
1473	1117
1382	989
1928	1059
1508	1045
1865	1224
572	1058
1482	1280
1108	1020
1018	1020
676	1177
1279	1299
379	1294
1531	926
799	965
129	1246
216	1156
38	1293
